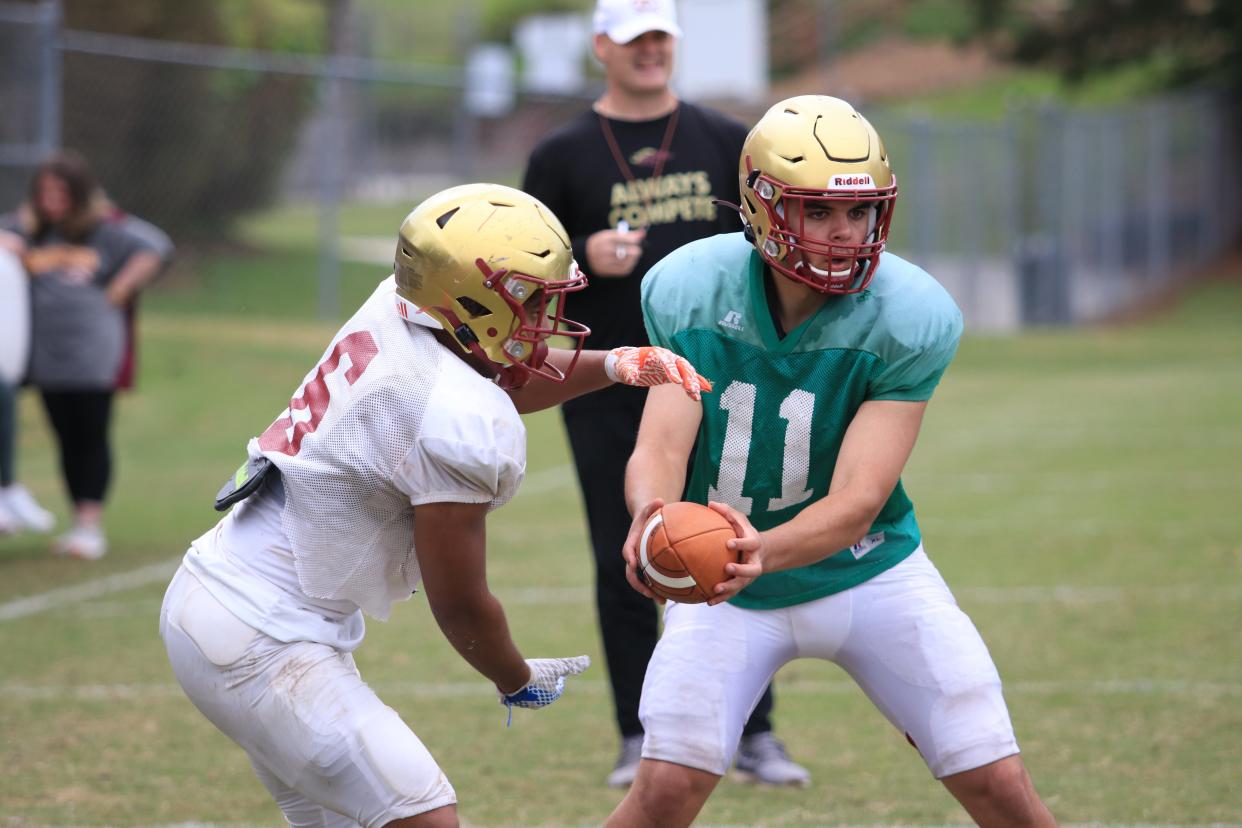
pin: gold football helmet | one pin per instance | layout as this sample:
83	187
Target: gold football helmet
492	265
809	149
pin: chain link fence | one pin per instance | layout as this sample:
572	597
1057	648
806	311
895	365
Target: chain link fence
1056	216
1049	217
29	90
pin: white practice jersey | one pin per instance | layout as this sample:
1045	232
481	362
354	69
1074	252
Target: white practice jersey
387	420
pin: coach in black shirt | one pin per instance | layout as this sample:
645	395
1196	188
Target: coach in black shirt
632	179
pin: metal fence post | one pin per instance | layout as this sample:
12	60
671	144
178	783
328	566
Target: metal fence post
1213	169
923	190
49	74
967	148
1043	277
1014	181
330	185
1113	207
1159	194
332	158
465	122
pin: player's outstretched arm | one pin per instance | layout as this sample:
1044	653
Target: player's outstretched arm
644	366
656	472
450	539
876	447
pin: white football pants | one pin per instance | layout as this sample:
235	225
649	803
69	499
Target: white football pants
329	751
900	636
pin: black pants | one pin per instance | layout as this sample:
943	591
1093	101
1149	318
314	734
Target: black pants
8	432
602	439
80	420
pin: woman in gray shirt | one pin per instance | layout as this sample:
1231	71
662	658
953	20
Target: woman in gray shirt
82	269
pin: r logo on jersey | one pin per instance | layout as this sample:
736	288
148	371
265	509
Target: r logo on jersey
731	320
866	545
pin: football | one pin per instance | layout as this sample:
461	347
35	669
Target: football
682	552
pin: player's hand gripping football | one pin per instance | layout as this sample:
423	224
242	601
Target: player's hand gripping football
651	365
629	550
749	543
547	681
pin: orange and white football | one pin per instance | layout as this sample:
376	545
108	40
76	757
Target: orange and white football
682	552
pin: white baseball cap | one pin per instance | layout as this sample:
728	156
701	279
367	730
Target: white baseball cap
624	20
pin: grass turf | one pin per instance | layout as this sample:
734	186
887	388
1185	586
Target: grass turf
1077	488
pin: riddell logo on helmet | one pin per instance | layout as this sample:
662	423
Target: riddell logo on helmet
851	182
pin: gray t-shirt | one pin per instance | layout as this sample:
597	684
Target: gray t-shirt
77	335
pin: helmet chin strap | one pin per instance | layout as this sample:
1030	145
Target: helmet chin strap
507	377
514	376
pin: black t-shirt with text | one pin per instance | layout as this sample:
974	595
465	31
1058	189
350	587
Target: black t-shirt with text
574	173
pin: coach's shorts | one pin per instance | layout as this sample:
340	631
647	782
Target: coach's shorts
900	636
318	737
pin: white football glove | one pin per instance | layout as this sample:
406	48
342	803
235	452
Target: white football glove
547	681
653	365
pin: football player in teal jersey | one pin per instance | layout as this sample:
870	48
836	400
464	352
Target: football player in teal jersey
824	351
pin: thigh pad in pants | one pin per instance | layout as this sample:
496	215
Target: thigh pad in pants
301	711
706	676
921	661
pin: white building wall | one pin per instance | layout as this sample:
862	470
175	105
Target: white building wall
723	54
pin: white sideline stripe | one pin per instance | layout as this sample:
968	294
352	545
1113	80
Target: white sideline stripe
556	477
573	595
544	480
77	593
478	689
582	596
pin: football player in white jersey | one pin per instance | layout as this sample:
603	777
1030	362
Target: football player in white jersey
409	428
825	350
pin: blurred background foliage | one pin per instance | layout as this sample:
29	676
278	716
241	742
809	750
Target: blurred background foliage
1182	41
195	127
166	108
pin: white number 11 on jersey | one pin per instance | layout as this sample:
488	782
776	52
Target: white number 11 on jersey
738	400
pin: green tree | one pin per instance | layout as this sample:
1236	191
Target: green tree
189	147
1185	41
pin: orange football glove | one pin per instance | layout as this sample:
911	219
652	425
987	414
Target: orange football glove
652	365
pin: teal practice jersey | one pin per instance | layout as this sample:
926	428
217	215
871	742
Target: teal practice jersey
777	414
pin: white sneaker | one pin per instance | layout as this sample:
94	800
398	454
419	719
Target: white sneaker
81	542
761	758
626	769
21	504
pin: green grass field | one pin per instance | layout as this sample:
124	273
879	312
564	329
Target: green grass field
1078	489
